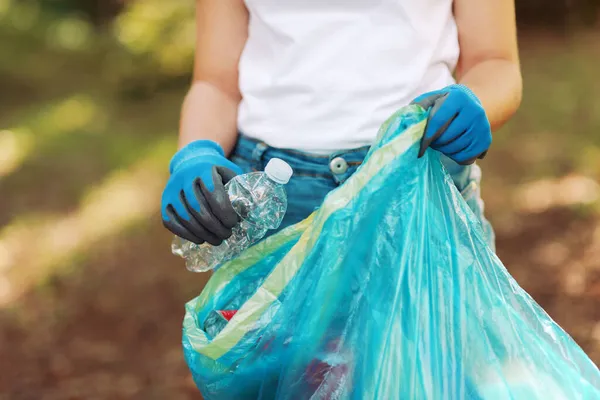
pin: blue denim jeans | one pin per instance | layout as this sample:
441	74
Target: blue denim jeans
316	175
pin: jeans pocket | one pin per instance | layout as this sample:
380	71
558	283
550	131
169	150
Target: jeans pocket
472	195
470	192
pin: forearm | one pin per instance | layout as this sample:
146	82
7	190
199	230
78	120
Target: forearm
209	113
498	85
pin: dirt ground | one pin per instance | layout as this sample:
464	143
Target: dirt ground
112	330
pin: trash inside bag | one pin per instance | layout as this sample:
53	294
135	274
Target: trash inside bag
388	291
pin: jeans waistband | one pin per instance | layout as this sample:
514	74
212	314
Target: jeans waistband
338	165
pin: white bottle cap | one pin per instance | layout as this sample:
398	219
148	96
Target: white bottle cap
279	171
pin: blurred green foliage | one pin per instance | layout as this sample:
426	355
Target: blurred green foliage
95	11
146	47
162	31
79	101
559	16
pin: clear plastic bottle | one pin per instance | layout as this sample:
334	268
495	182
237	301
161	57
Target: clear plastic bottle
259	199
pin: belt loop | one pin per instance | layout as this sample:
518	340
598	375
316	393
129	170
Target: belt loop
259	151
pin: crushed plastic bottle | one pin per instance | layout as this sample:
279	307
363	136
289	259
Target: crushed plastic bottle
259	199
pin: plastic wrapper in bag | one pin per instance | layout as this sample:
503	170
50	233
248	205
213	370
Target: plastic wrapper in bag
388	291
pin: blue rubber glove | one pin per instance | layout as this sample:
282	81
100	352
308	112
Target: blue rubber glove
195	205
457	125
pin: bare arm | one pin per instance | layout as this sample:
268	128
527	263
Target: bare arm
489	58
210	107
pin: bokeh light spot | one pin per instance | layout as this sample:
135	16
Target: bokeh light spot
71	33
14	147
24	15
71	114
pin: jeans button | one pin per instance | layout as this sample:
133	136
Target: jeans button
338	165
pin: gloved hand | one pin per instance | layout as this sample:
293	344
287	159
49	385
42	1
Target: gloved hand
457	125
195	205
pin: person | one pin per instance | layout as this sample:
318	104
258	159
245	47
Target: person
310	82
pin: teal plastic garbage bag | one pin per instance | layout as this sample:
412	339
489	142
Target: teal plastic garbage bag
388	291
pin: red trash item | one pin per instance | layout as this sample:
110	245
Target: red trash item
328	376
227	314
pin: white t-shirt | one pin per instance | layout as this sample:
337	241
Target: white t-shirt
323	75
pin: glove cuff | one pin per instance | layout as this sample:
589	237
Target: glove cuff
198	148
467	90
